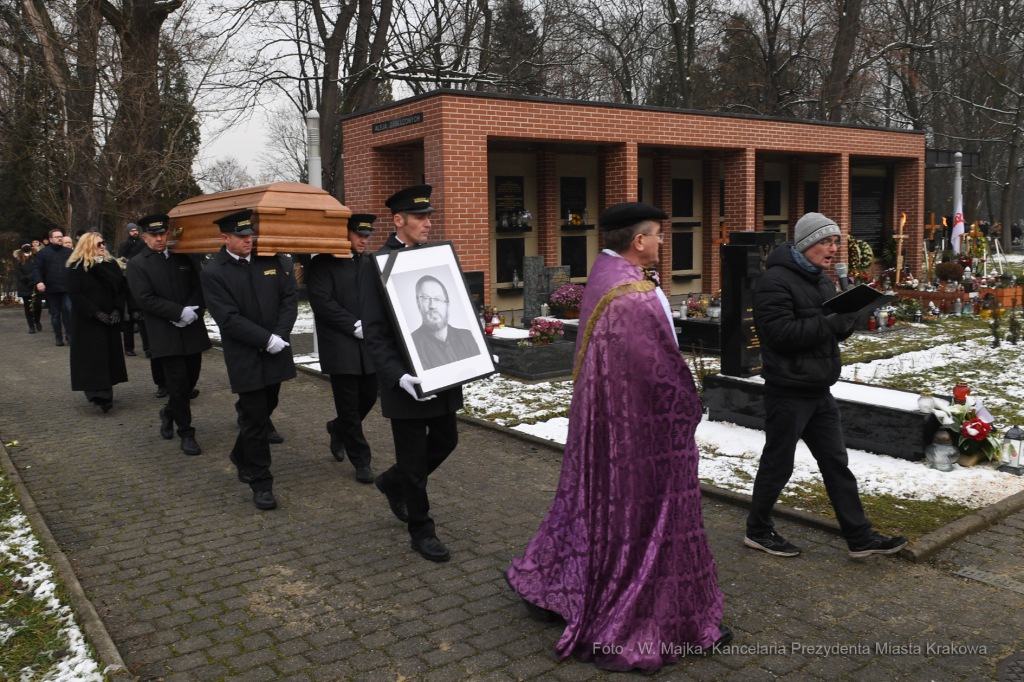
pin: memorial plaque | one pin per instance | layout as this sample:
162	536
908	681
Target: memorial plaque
475	284
555	277
534	287
743	262
574	197
574	254
682	251
811	190
772	197
867	210
682	198
509	258
508	195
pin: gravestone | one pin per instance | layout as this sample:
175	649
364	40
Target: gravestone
475	284
534	287
555	277
743	260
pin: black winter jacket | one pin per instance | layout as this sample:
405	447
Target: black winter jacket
333	288
50	268
799	350
23	273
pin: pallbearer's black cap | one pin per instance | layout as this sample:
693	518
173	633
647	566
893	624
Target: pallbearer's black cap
361	223
415	199
238	223
153	224
628	214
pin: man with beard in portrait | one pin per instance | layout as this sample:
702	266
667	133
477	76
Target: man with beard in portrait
437	342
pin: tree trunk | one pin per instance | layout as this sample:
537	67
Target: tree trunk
83	174
1012	177
834	87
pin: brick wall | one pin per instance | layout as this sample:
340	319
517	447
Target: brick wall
711	271
547	208
662	197
835	195
740	189
909	199
796	193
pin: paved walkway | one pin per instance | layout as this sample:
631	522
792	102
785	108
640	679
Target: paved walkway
194	583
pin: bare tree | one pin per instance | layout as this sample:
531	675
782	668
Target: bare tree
284	154
225	174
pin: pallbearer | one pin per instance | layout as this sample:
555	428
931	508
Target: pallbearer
166	288
254	300
334	294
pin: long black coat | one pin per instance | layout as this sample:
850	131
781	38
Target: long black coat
162	287
23	272
129	249
333	288
97	356
49	267
799	350
249	303
382	342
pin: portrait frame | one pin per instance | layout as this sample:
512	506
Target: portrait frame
416	281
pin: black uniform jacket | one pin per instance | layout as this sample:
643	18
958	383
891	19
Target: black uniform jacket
97	356
249	303
381	340
162	287
333	288
130	248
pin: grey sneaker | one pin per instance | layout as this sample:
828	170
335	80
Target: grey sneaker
773	543
877	544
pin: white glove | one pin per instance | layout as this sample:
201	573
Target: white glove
359	329
188	316
409	383
276	344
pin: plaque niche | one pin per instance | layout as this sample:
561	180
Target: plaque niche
509	205
574	254
509	258
573	203
682	198
867	210
682	251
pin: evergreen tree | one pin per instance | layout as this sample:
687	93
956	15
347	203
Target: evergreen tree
179	133
516	49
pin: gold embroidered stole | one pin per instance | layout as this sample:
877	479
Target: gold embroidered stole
643	286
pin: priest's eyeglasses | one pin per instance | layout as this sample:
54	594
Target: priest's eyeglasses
660	236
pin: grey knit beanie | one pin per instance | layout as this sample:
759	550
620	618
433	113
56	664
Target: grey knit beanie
811	229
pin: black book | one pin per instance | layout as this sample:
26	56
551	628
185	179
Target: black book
858	299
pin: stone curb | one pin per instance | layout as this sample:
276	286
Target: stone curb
111	663
927	546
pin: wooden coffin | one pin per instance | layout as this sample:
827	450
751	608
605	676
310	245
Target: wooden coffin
288	217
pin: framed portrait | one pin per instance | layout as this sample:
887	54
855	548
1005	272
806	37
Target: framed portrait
434	317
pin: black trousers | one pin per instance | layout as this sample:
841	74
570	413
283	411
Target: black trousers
100	397
420	447
33	313
60	309
252	451
354	397
128	331
819	423
181	372
156	368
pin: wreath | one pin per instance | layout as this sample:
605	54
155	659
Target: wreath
862	256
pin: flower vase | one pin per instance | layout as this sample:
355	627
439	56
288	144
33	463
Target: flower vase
969	460
544	342
572	314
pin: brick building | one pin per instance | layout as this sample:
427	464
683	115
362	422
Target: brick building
490	157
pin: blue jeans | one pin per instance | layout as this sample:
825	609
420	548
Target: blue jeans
60	307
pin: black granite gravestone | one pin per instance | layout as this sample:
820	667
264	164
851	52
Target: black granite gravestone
534	287
743	261
475	283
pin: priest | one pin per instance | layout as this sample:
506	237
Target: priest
622	555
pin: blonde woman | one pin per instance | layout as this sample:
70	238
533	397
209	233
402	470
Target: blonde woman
97	290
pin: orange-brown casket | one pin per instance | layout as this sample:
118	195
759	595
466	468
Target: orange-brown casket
288	217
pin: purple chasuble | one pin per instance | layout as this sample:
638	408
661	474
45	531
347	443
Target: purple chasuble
622	555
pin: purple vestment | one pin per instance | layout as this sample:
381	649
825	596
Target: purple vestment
622	555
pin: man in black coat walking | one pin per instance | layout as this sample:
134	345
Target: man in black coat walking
424	429
166	289
129	248
333	287
254	300
50	273
800	360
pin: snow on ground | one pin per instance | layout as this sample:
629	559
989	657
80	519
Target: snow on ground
28	569
303	324
729	456
912	362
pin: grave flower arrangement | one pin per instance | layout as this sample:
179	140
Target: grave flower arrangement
970	425
862	257
567	299
543	332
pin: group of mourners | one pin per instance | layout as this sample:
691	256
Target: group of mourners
622	556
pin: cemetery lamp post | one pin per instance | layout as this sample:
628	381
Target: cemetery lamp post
313	174
1013	442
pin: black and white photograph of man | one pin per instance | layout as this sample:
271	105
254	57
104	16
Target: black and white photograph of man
438	342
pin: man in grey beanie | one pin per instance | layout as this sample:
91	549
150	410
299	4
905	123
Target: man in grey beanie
799	363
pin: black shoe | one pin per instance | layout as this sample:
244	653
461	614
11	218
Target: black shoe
877	544
194	394
148	354
106	407
189	445
161	392
243	476
67	340
166	424
773	543
536	612
274	438
338	449
39	327
59	343
31	329
364	474
726	637
264	499
396	502
130	353
431	549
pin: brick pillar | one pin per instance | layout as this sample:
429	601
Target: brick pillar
796	193
740	190
620	174
909	199
663	200
391	170
547	209
759	195
711	275
834	195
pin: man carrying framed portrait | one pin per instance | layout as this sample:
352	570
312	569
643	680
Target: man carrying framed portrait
420	331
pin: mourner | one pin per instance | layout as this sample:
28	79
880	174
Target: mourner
30	299
50	272
129	248
333	286
167	290
96	287
622	555
254	300
424	429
